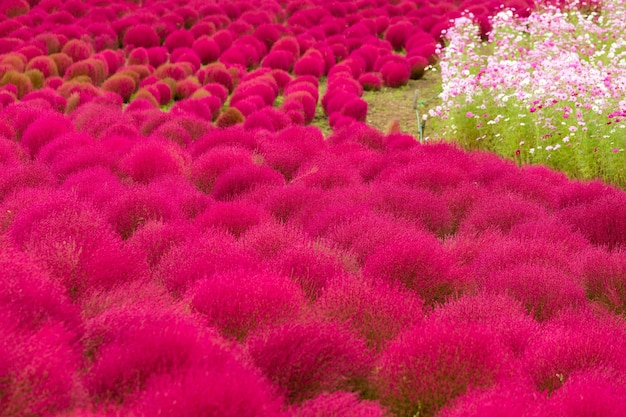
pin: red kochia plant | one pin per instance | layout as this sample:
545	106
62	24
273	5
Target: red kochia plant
155	237
500	212
240	179
573	342
312	267
376	310
222	386
29	296
240	302
77	49
128	345
150	159
434	362
502	313
121	84
605	278
602	221
141	36
43	130
234	216
415	260
75	244
279	59
528	283
346	404
590	394
214	251
137	205
423	206
40	370
371	81
395	74
209	165
44	64
503	400
305	360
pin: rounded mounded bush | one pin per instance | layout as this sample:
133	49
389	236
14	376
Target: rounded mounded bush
308	359
432	363
141	36
240	302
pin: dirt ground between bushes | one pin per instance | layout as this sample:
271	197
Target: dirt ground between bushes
391	104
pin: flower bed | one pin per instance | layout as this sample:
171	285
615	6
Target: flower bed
548	88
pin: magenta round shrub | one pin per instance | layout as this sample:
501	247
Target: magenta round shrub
418	65
371	81
179	39
501	212
241	179
279	59
395	74
213	251
355	108
221	387
187	55
253	88
503	400
202	28
344	82
333	101
216	73
137	205
92	257
235	136
602	221
97	185
131	345
30	175
291	148
527	282
306	101
224	39
208	166
240	302
415	260
41	369
312	268
310	64
575	342
233	216
376	310
43	130
157	55
322	357
77	49
420	207
150	159
432	363
68	154
218	90
30	297
339	403
590	393
154	238
268	33
206	49
287	43
502	313
605	278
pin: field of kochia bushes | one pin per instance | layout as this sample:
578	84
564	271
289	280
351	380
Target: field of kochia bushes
223	258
